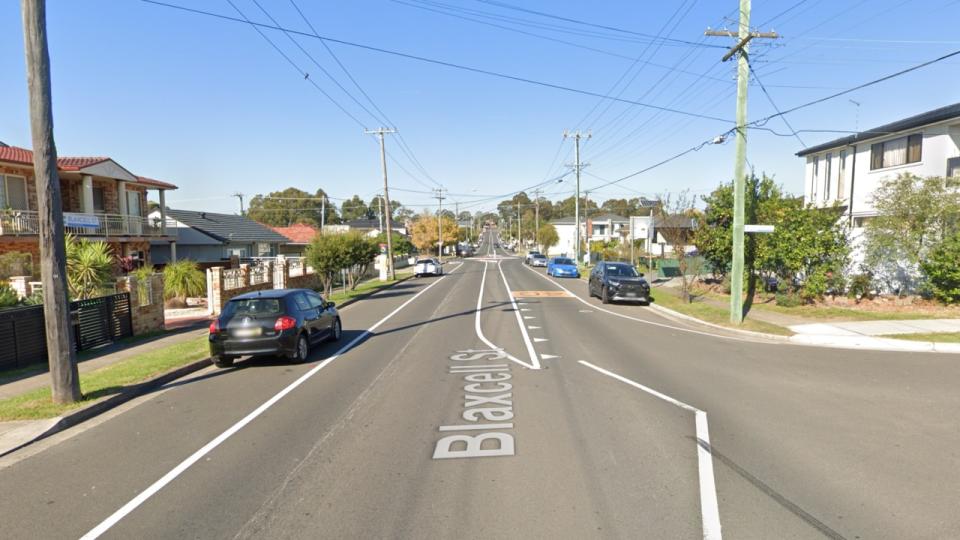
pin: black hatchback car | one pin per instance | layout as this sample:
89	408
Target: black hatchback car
283	322
615	281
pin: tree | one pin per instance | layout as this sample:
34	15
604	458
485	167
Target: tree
401	243
674	217
548	237
359	252
89	268
327	255
942	270
353	208
424	232
181	280
374	209
914	215
291	206
567	207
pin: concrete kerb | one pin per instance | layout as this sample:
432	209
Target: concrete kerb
101	406
834	342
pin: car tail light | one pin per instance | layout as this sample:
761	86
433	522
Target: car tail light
284	323
215	326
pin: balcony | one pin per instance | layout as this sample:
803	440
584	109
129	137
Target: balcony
27	223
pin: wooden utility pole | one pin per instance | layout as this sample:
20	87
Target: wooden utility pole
576	136
739	182
386	197
65	381
439	196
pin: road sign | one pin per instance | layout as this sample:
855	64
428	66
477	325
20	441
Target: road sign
758	228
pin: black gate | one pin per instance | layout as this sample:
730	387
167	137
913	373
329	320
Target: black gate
96	321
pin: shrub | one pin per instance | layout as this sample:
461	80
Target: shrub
34	299
942	270
788	300
183	279
814	287
8	296
89	267
861	286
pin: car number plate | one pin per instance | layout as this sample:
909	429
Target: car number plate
632	294
247	332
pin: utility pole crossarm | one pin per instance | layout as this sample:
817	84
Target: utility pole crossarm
743	41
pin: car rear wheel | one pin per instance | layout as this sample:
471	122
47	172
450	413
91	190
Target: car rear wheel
223	361
303	349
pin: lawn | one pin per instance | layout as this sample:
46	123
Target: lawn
367	287
670	299
37	404
838	313
941	337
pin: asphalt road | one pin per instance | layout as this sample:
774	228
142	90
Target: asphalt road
464	414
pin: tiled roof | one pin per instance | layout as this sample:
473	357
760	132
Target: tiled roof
24	156
609	217
297	234
920	120
227	227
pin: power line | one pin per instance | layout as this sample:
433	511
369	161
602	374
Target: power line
433	61
774	104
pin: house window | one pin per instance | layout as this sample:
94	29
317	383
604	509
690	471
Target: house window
953	167
860	222
842	176
599	230
827	166
98	204
896	152
13	192
816	175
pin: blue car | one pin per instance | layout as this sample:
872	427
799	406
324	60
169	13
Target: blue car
562	267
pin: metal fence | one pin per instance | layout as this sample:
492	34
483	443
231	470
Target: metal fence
232	278
259	274
27	223
96	321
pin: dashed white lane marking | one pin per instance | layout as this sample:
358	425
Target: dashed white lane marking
539	339
524	309
533	328
528	317
523	329
534	364
709	511
114	518
548	356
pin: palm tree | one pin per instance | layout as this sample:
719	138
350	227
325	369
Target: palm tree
181	280
89	267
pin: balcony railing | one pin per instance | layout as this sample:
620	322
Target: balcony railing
27	223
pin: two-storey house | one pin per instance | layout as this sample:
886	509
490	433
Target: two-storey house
102	200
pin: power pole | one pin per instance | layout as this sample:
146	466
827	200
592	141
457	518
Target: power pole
743	78
64	379
576	136
586	219
440	199
536	229
519	224
323	213
239	196
386	196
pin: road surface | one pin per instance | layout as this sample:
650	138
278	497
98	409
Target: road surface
496	402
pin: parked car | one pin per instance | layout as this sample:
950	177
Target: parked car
282	322
425	267
530	255
616	281
538	260
562	267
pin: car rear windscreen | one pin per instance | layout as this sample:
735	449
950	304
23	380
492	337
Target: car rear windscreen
252	307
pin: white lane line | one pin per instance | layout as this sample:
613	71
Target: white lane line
479	330
523	329
539	339
114	518
533	327
709	510
528	317
621	315
548	356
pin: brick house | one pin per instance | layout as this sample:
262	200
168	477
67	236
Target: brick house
101	201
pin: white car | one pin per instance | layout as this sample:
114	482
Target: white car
425	267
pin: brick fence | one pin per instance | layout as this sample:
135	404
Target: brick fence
146	303
224	283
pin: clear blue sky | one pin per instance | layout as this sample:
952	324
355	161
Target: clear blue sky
208	105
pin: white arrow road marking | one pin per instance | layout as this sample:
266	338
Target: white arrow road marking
523	329
534	364
709	511
539	339
548	356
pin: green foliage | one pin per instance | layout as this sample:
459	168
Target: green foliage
355	208
34	299
183	279
16	263
788	300
548	237
401	243
89	268
8	296
914	215
942	270
291	206
327	254
814	286
359	252
861	286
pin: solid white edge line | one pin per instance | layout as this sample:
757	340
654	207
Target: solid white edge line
534	359
678	328
142	497
479	330
709	509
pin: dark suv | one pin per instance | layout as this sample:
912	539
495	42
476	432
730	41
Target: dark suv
283	322
615	281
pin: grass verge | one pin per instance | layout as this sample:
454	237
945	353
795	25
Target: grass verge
707	312
822	313
367	287
37	404
940	337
